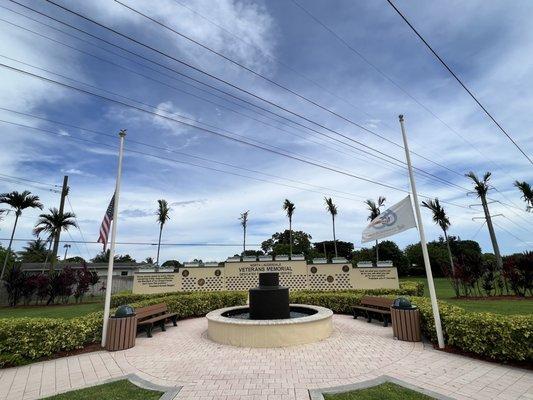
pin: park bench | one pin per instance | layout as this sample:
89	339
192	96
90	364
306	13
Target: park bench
156	314
373	306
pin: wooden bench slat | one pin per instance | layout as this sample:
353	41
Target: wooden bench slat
155	313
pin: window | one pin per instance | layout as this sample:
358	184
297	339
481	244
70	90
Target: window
124	273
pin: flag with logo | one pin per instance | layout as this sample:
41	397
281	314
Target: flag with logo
396	219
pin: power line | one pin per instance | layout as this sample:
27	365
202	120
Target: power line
277	60
207	244
460	81
166	149
208	125
209	168
79	228
346	119
210	131
511	234
168	85
398	86
292	121
23	182
193	164
442	180
203	72
30	180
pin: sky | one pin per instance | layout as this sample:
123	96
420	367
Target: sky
305	104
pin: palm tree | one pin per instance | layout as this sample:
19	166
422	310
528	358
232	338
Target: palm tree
481	186
18	201
332	209
35	251
288	206
54	222
442	220
527	193
375	211
163	215
244	222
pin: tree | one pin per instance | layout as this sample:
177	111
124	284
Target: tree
289	208
332	209
244	223
375	211
103	257
172	263
527	193
279	243
442	220
19	202
35	251
388	250
481	186
345	249
54	222
163	216
438	257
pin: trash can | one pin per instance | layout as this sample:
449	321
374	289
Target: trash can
405	320
121	329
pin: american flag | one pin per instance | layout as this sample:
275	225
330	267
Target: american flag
106	223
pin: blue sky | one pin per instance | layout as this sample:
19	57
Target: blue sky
488	44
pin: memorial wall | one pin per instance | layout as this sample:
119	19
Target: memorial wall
296	275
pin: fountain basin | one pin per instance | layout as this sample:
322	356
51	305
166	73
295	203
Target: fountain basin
307	324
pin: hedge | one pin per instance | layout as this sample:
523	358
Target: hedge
407	288
499	337
23	340
494	336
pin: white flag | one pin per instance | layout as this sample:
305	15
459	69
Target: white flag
394	220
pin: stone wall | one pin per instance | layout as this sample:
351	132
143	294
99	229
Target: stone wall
296	275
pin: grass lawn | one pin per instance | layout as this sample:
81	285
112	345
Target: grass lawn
119	390
66	311
445	292
385	391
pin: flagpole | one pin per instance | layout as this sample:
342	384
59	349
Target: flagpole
425	254
109	284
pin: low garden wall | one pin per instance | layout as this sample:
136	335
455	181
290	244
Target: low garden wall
498	337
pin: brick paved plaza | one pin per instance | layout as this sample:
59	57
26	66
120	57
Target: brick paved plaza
357	351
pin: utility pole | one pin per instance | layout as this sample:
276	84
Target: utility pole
57	236
488	218
66	246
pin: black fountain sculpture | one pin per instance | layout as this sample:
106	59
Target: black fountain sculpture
269	300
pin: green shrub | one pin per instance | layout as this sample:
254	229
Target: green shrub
26	339
32	338
495	336
499	337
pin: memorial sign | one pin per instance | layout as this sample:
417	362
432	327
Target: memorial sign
296	275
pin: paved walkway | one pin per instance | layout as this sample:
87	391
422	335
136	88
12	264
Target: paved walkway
356	352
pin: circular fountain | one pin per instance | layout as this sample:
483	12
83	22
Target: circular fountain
269	320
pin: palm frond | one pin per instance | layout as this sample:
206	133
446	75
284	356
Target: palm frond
289	207
330	206
163	212
439	214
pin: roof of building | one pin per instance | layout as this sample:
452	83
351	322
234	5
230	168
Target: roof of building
39	266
